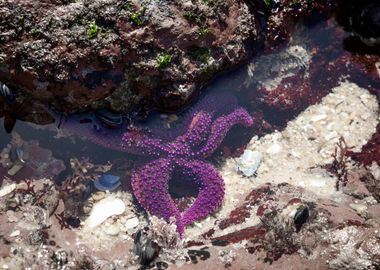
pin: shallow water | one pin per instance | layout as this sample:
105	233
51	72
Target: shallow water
308	46
274	87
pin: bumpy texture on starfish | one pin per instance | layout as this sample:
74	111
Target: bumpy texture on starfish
207	124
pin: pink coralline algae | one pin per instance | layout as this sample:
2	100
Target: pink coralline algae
186	153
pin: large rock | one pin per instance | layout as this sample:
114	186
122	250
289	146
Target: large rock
119	54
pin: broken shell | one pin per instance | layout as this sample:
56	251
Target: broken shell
249	162
107	182
104	209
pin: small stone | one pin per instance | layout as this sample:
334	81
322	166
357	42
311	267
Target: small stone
97	196
173	118
318	117
275	148
15	233
15	169
132	223
87	208
370	200
7	189
331	135
374	169
361	209
12	216
112	230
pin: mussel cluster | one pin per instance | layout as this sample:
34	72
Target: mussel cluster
110	119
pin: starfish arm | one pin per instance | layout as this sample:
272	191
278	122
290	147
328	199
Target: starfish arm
140	144
220	128
211	189
150	184
198	128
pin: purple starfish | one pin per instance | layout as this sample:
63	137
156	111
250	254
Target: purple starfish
186	152
164	152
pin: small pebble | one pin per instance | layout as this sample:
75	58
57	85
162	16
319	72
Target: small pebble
12	216
173	118
97	196
15	169
7	189
361	209
318	117
132	223
112	230
275	148
15	233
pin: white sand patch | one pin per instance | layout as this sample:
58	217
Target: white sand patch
307	141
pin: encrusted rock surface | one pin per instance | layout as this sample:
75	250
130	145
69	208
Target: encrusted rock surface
135	55
72	54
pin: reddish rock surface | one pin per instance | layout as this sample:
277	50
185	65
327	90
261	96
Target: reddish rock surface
49	52
135	55
370	151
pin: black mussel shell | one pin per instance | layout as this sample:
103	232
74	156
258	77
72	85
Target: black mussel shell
7	94
301	217
109	118
146	249
17	154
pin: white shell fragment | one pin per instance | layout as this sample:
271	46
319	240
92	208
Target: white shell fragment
104	209
132	223
15	169
249	162
7	189
15	233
